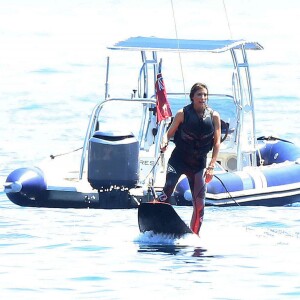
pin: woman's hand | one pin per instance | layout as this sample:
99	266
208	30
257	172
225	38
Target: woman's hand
209	174
163	146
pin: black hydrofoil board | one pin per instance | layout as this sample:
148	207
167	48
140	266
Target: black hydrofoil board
161	218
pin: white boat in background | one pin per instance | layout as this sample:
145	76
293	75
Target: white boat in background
121	163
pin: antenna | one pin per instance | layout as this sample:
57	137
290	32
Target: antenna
228	24
176	33
106	80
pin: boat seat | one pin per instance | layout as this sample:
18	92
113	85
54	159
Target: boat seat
224	130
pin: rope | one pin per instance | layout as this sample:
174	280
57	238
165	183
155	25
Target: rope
53	156
152	167
227	190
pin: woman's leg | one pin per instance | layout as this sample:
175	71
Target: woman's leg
172	178
198	189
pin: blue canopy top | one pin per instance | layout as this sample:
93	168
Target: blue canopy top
162	44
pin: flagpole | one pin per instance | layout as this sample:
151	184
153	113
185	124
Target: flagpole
159	66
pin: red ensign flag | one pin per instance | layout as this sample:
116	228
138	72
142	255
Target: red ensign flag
163	109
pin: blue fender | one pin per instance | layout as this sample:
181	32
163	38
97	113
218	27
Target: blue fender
25	185
281	151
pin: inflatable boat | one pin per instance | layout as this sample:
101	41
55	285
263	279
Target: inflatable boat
274	182
123	168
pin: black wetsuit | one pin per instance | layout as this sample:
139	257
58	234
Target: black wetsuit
193	140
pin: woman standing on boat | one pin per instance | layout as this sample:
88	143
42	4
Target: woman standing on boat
196	129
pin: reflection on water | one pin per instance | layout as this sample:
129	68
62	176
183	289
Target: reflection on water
173	250
188	245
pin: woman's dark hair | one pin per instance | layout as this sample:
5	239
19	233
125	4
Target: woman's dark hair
197	86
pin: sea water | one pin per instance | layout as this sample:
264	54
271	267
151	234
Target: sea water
52	74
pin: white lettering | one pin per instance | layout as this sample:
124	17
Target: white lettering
147	162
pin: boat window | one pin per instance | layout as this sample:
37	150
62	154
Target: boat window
132	116
226	107
224	104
